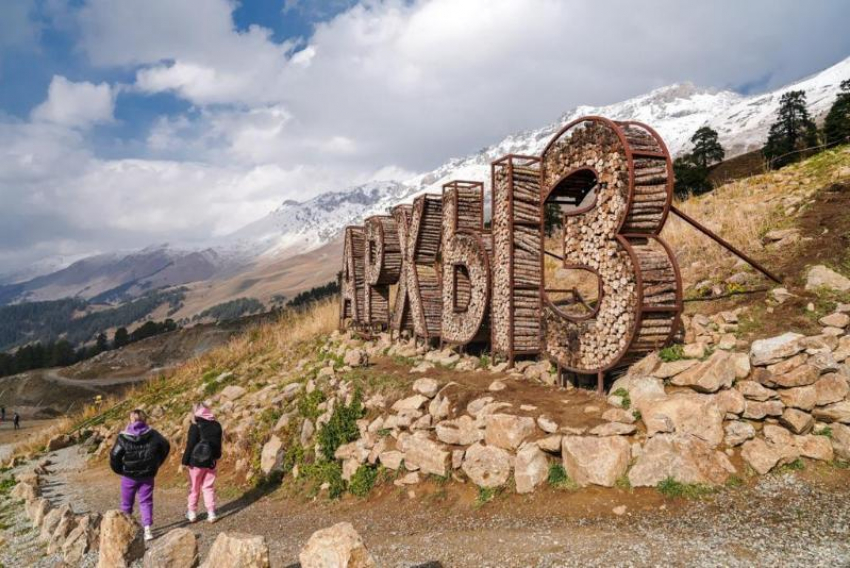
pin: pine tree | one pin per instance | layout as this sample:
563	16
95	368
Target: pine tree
793	131
121	338
690	177
707	150
836	127
554	219
102	344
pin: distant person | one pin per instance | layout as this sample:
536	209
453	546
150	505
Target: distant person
203	450
2	413
137	455
16	420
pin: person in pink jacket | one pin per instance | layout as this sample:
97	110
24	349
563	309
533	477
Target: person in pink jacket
203	450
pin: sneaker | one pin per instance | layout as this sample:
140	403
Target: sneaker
148	533
211	518
191	516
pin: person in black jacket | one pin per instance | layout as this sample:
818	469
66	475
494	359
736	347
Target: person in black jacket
136	457
203	450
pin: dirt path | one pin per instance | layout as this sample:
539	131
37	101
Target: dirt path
54	376
792	519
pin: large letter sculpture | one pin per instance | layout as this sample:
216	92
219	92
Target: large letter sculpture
465	263
383	266
518	253
419	295
616	236
353	289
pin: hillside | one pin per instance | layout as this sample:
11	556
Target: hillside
693	448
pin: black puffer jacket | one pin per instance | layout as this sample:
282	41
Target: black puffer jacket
208	430
138	453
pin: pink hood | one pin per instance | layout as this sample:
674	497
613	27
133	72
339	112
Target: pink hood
204	413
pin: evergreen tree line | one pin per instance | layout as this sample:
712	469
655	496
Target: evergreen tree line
232	309
61	353
793	136
314	294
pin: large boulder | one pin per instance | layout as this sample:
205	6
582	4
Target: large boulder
414	402
717	372
356	358
507	431
756	410
822	277
595	460
462	431
271	455
830	388
803	398
685	413
841	441
487	466
801	376
737	432
835	412
642	389
121	541
797	421
52	519
759	455
426	455
237	549
64	527
755	391
531	468
82	540
774	349
338	546
426	387
176	549
682	457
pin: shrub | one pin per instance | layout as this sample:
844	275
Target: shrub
342	426
672	488
363	480
559	479
485	495
624	394
308	405
671	353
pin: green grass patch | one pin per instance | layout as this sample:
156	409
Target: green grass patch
363	480
559	479
404	361
623	482
342	426
308	404
485	495
675	489
796	465
6	485
326	472
624	394
734	481
672	353
827	431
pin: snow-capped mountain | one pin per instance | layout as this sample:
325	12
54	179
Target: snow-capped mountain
675	111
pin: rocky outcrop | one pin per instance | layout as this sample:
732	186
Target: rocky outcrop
121	541
531	468
487	466
507	431
83	539
237	549
339	546
685	413
595	460
682	457
176	549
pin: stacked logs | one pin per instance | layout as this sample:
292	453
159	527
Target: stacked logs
465	264
425	289
383	266
518	246
402	317
613	238
353	289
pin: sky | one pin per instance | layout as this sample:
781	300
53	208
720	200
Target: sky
126	123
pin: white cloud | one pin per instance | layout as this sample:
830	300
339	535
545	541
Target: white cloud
76	104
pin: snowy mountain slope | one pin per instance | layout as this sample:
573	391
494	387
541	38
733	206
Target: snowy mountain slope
675	111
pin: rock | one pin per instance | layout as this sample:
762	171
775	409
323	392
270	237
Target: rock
841	440
66	524
325	372
741	364
822	277
667	370
271	455
782	442
531	468
613	429
835	320
835	412
426	387
487	466
641	389
59	442
831	388
797	421
759	455
779	234
618	415
730	401
686	413
619	510
338	546
738	432
36	510
291	390
683	457
82	540
462	431
414	402
754	391
477	405
708	376
547	424
121	541
176	549
457	458
801	376
774	349
727	342
842	350
232	392
356	358
232	549
307	431
411	478
551	444
595	460
755	410
507	431
824	362
25	492
780	295
426	455
439	408
694	350
803	398
815	447
52	520
422	367
391	459
497	386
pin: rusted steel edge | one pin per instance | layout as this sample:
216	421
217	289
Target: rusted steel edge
725	244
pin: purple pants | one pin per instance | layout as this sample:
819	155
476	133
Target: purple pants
144	488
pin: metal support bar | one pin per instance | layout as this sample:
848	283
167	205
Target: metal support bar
553	255
696	224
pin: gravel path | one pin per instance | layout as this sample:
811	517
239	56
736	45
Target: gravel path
790	519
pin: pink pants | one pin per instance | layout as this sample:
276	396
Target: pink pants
201	479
